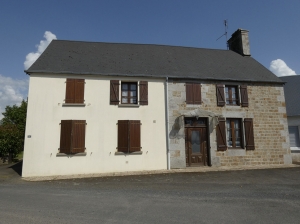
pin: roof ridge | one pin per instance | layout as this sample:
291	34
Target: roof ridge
145	44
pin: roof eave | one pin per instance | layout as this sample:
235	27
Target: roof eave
28	72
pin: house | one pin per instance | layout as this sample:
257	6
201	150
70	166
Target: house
105	107
292	96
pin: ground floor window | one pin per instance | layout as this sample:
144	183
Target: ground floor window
234	133
129	136
294	136
72	136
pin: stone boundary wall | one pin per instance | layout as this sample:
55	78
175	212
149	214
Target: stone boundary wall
266	107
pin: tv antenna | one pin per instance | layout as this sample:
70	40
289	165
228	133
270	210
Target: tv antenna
225	34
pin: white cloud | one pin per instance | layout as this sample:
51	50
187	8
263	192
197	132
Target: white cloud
12	91
280	68
31	57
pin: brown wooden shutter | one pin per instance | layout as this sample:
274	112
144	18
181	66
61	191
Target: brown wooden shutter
75	91
135	136
189	93
242	134
123	136
244	96
78	136
197	93
65	136
143	93
70	91
114	92
249	135
79	90
221	135
220	95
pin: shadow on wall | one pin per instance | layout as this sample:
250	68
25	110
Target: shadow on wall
177	128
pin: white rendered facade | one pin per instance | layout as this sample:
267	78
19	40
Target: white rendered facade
46	110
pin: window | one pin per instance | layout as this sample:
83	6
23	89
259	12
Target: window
75	91
294	136
193	93
232	97
229	95
230	133
129	136
129	92
72	136
234	134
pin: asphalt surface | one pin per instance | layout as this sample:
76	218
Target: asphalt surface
247	196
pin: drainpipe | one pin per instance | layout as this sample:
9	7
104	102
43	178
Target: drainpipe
167	124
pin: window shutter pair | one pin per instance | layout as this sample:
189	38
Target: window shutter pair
129	136
221	101
74	91
114	92
72	136
193	93
221	134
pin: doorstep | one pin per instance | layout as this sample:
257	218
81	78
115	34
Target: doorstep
185	170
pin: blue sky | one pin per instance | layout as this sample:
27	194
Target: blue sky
274	29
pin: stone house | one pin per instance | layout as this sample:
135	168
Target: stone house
105	107
229	110
292	96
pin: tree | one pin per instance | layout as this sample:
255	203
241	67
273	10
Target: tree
12	131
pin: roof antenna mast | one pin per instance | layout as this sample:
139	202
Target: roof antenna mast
225	34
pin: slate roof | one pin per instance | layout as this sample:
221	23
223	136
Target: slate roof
78	57
292	94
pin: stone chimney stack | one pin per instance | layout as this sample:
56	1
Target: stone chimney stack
239	42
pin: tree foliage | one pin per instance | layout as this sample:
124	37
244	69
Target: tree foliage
12	130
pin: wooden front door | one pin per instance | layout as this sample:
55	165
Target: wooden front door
196	145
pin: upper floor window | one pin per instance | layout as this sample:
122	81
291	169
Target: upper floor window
193	93
232	95
129	92
74	91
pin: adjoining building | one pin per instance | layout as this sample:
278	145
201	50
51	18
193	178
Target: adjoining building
292	97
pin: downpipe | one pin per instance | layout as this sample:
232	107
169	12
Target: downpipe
167	123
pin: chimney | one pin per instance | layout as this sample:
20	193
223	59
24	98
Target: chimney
239	42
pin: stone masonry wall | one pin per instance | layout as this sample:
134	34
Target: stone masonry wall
266	107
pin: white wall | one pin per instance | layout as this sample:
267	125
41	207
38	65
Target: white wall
45	112
295	151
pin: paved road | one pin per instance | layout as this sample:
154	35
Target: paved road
251	196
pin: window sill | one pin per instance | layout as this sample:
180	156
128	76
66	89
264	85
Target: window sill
73	104
295	150
232	105
236	151
64	154
193	105
128	105
129	153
